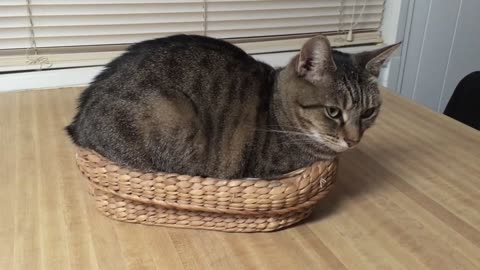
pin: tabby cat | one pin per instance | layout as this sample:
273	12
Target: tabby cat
202	106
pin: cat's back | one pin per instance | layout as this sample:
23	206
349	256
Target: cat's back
191	45
188	55
185	54
188	63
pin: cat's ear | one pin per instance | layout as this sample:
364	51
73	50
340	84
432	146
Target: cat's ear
315	62
374	60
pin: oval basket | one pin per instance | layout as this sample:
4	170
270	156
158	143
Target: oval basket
240	205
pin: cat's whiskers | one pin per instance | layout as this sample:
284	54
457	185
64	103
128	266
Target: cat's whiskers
292	142
287	132
303	137
294	136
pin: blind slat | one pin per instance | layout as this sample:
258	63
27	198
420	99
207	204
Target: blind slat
93	21
13	11
113	2
16	22
78	31
107	39
282	31
14	33
285	22
296	13
261	5
12	3
118	9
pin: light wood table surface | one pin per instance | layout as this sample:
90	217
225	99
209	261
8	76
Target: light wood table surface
407	198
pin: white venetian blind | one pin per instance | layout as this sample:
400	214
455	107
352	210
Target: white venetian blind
61	33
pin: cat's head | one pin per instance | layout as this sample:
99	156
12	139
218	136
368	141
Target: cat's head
331	96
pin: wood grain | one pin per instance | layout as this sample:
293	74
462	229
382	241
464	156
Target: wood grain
407	198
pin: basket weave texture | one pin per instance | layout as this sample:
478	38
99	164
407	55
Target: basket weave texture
238	205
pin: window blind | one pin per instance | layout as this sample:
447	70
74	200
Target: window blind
62	33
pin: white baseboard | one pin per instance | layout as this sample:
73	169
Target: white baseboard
83	76
48	78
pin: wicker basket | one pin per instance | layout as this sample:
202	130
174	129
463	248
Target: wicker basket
204	203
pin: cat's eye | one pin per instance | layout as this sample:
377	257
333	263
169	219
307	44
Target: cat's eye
368	113
333	112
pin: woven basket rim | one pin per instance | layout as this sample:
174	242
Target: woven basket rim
300	181
284	176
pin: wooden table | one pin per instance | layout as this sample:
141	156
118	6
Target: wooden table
407	198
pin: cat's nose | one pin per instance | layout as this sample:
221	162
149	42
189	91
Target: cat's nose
351	143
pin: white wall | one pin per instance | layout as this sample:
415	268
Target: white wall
393	29
443	47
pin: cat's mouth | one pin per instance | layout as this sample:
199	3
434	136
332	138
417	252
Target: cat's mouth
334	143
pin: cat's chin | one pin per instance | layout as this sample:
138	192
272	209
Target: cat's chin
338	148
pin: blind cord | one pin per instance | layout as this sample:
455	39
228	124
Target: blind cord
354	22
340	16
35	59
205	21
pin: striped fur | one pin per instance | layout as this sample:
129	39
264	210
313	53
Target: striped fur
201	106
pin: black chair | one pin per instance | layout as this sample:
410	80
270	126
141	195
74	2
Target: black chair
464	105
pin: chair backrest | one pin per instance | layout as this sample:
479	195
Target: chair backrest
464	105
